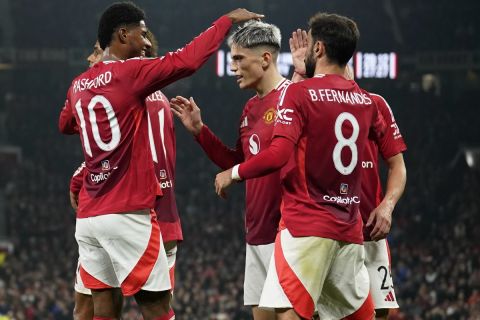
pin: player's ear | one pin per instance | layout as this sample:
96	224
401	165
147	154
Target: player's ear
318	48
267	58
122	35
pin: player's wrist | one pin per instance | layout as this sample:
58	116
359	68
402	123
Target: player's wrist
197	128
235	173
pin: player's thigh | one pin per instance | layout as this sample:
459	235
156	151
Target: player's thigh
347	285
257	260
79	286
153	302
83	309
377	261
171	252
297	272
135	247
107	302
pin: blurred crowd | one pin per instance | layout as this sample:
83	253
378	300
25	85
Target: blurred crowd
434	240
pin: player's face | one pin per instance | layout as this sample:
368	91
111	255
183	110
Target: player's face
137	40
310	59
96	55
247	66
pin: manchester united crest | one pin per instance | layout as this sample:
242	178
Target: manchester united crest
269	116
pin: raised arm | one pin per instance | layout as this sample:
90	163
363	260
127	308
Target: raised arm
151	75
190	115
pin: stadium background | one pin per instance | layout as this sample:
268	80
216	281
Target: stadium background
436	231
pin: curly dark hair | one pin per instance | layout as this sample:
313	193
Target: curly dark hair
339	34
117	15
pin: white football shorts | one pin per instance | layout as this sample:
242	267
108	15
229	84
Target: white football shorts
122	250
309	272
377	261
257	259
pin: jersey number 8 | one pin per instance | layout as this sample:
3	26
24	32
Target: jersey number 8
345	142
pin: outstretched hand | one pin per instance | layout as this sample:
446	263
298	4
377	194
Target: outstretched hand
222	181
188	112
298	48
241	15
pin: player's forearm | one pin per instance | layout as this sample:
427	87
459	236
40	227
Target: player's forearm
267	161
76	182
67	123
396	181
216	151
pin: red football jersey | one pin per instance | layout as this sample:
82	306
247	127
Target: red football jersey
329	119
263	195
162	144
108	103
391	144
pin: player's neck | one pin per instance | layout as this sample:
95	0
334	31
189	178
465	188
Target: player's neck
325	68
269	81
110	54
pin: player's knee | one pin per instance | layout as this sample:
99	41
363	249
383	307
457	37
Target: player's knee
381	313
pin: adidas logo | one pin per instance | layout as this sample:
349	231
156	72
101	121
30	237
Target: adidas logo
244	123
390	297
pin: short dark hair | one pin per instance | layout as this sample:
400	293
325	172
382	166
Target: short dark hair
117	15
339	34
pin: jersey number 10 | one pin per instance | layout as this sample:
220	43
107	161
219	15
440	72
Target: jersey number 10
114	127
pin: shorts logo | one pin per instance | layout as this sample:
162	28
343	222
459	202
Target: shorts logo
283	116
105	165
390	296
269	116
254	144
162	174
343	188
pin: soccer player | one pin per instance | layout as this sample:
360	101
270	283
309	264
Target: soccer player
254	50
323	124
375	208
120	244
162	143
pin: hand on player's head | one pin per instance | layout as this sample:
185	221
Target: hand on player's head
241	15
